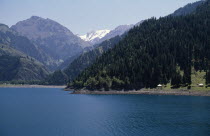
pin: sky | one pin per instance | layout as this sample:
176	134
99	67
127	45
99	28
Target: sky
82	16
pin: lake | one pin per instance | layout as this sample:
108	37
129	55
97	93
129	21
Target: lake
53	112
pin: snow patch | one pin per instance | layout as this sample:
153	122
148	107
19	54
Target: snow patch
94	35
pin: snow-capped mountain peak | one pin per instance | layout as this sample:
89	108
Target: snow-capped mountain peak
94	36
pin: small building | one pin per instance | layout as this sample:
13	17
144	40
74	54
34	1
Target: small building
201	85
159	86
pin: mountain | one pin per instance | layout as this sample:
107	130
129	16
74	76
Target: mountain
118	31
97	37
74	67
189	8
88	58
159	51
15	60
18	42
54	41
68	61
94	36
15	65
81	62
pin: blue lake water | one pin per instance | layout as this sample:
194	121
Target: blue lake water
53	112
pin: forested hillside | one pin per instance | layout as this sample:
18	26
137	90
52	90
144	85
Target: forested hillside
18	57
82	62
159	51
15	65
88	58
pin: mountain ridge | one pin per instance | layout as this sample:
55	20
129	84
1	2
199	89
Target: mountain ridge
15	65
18	42
159	51
94	36
53	40
83	61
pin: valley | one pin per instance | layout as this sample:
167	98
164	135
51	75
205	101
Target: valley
104	68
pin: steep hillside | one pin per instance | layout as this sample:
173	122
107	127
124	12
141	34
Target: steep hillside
82	62
88	58
15	65
14	40
56	78
159	51
189	8
53	40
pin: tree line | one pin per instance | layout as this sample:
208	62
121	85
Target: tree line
159	51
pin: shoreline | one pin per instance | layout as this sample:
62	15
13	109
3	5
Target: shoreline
31	86
146	92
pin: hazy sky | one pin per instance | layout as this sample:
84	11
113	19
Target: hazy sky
82	16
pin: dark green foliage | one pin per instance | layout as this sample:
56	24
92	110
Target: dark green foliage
68	61
7	67
117	83
20	68
208	77
85	60
15	65
150	53
91	83
23	82
88	58
57	78
16	62
176	80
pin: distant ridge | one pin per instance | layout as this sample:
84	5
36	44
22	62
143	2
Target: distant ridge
118	31
94	36
97	37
